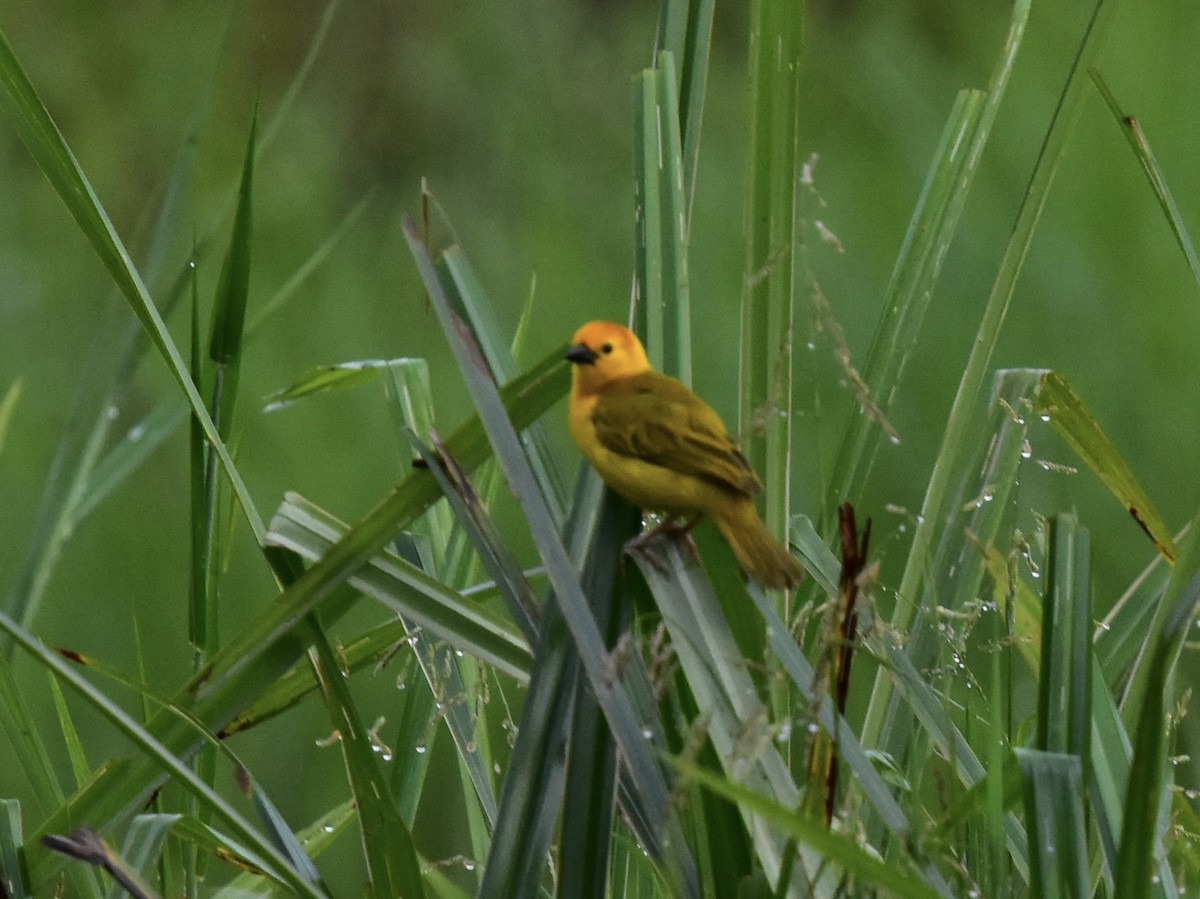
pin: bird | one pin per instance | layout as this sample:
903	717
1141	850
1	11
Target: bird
664	449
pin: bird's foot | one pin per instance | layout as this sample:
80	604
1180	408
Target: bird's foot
670	527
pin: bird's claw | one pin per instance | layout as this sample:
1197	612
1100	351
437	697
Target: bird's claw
681	532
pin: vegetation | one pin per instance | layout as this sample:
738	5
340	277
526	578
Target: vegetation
472	689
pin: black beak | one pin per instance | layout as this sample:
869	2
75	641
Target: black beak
581	354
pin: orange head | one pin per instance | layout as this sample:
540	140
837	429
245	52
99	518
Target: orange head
603	352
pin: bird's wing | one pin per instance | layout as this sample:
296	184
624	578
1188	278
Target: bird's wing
655	418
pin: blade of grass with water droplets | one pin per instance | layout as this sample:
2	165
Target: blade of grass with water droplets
962	412
269	646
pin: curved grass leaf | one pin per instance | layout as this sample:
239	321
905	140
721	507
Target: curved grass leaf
865	867
325	378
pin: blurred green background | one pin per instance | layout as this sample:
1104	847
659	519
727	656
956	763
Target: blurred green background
519	117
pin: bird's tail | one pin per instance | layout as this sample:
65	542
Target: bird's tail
759	553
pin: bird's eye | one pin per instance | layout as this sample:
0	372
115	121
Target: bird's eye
606	349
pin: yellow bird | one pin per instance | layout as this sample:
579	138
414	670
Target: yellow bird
665	450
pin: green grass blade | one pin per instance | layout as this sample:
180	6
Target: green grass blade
328	378
155	750
662	310
46	144
1057	824
485	536
962	413
865	867
233	286
478	309
29	752
532	794
74	458
391	857
1147	791
296	84
1075	423
122	458
75	751
369	649
974	507
416	730
1064	682
144	843
557	711
7	406
305	529
717	676
311	264
1120	635
930	232
772	238
685	31
1138	142
588	807
14	878
267	649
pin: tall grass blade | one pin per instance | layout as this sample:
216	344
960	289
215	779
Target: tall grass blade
391	857
588	826
931	231
716	675
14	878
532	794
772	237
647	777
46	144
962	412
421	599
485	536
685	31
1147	791
1065	679
662	309
973	510
864	867
1140	144
144	842
1057	824
479	311
7	406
